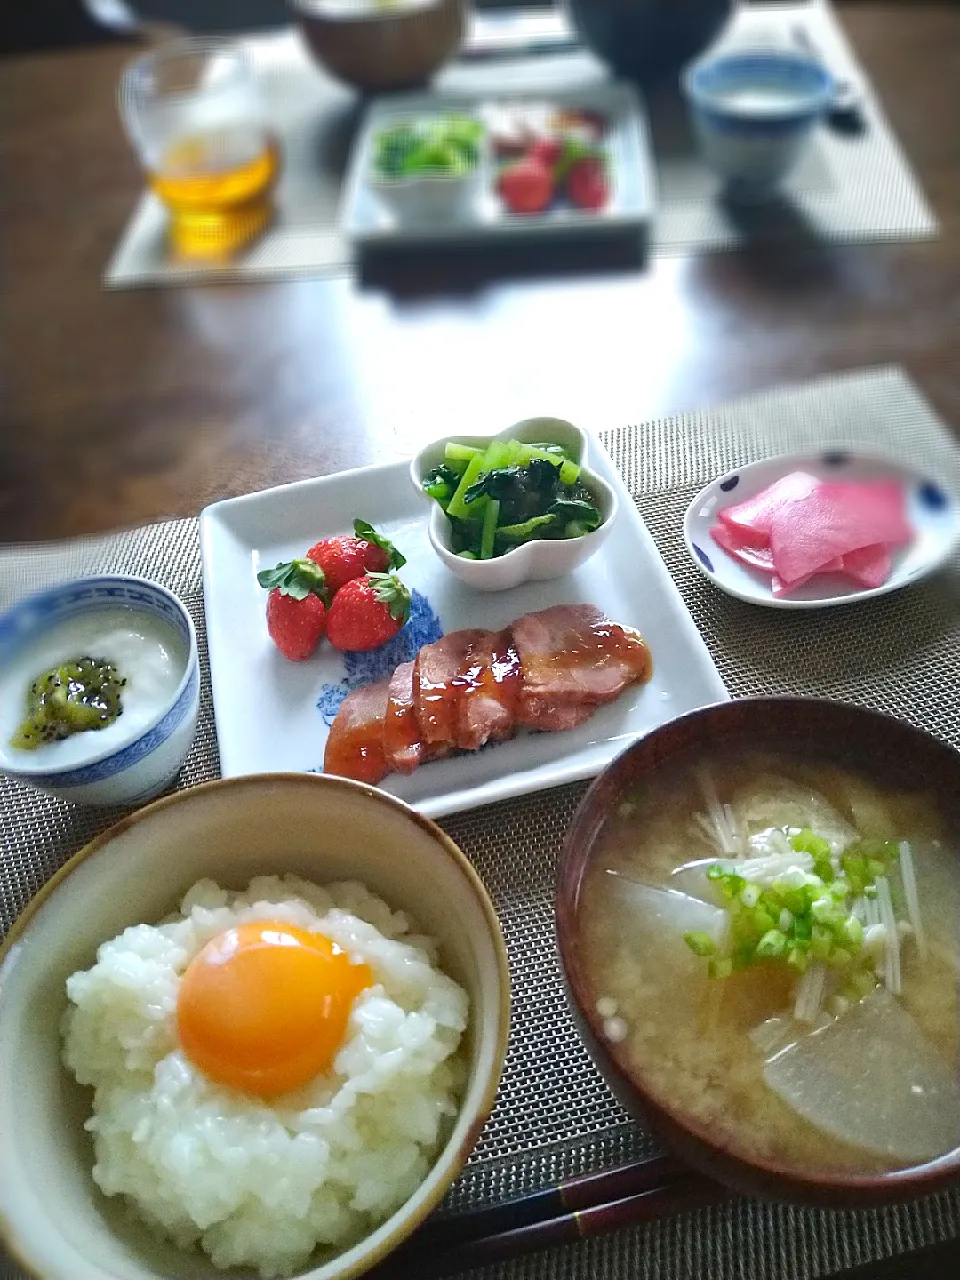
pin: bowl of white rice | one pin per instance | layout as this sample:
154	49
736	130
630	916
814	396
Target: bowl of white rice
252	1030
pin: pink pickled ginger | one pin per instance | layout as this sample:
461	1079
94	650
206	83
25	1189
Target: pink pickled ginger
833	520
800	527
751	519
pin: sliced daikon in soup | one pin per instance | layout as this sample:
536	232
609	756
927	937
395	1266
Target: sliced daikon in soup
659	919
771	801
691	880
872	1080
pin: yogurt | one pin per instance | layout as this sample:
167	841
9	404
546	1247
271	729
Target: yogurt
767	99
147	652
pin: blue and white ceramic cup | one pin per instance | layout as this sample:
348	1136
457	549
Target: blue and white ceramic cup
754	112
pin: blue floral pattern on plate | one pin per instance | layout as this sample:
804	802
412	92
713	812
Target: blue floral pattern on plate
932	496
423	627
703	557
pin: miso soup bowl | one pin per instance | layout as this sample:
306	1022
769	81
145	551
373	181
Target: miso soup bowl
53	1219
535	561
887	751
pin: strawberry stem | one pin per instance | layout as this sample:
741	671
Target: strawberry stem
363	529
295	578
389	590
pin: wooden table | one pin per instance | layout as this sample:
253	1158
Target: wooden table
127	407
130	407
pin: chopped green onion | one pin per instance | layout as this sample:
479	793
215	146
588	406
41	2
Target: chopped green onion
798	958
764	919
820	947
853	931
701	944
772	945
806	842
750	895
801	918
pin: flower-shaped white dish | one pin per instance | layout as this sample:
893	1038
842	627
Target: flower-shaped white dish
148	634
931	508
535	561
429	198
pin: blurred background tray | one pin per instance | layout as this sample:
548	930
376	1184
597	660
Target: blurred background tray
367	220
846	187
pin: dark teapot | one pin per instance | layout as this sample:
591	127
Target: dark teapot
648	39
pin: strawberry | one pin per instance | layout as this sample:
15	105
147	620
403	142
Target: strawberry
367	612
586	183
547	151
344	558
296	612
527	186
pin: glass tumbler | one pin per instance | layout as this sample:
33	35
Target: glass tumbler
193	111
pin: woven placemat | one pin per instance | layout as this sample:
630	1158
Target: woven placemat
555	1117
846	188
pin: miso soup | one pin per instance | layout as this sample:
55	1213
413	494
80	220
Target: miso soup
773	949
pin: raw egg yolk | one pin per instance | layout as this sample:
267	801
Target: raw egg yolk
263	1007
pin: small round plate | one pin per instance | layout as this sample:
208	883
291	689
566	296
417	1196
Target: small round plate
933	510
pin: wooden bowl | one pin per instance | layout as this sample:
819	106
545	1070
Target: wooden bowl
53	1219
887	750
381	49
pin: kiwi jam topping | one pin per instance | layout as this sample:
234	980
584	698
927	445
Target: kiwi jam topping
81	694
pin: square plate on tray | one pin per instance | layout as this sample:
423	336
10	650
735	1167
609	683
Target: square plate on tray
273	714
369	221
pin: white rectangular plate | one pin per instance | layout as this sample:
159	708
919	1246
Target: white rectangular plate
368	221
267	712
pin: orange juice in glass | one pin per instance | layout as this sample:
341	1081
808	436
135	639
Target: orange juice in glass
193	111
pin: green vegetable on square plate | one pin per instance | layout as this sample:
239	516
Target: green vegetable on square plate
510	493
441	146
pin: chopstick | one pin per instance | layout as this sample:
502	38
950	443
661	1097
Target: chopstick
574	1210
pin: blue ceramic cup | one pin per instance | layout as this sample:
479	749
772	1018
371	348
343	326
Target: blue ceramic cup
754	112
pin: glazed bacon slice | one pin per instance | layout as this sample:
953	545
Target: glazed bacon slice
438	682
549	671
355	744
403	747
574	659
489	688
